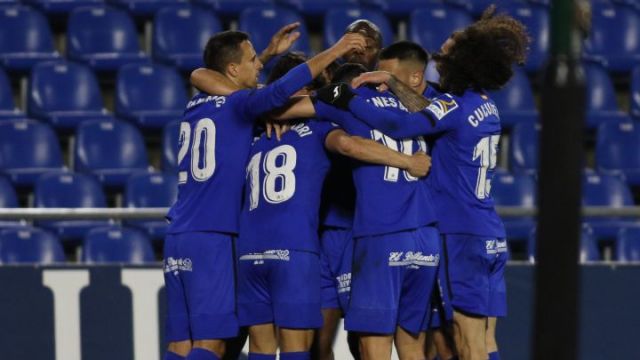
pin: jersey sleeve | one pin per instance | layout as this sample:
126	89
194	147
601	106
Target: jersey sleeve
440	116
276	94
323	128
328	113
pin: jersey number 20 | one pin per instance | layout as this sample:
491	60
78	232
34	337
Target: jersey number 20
278	165
203	154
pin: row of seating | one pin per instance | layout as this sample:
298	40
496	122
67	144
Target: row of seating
105	37
76	190
110	244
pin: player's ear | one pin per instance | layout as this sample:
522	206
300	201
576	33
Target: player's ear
233	69
416	78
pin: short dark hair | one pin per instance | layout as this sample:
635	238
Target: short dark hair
347	72
222	49
366	28
405	50
285	63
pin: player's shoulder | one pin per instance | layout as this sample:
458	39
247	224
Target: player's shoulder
205	100
445	105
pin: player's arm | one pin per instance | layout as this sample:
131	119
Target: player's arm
369	151
280	42
408	97
212	82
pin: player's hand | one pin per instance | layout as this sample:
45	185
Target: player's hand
338	95
350	42
419	165
374	77
282	40
279	128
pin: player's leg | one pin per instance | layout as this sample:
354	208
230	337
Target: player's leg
375	346
353	340
490	339
410	346
323	342
263	342
469	334
497	298
233	346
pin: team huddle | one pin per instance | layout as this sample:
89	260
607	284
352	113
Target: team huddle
313	198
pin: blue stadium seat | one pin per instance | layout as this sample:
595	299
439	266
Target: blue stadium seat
27	245
610	191
602	105
628	245
523	149
145	8
8	108
28	149
26	38
64	94
69	190
515	100
316	8
61	7
117	245
110	150
150	95
170	144
431	26
635	93
180	34
232	8
264	21
151	190
615	36
103	37
515	190
537	20
618	150
8	199
398	8
336	21
588	247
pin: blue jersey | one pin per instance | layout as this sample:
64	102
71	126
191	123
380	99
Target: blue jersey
431	91
388	199
338	195
282	192
215	139
463	163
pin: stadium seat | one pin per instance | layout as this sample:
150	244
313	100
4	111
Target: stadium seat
69	190
180	34
635	93
27	245
311	8
61	7
264	21
602	105
170	141
536	18
150	95
515	190
8	199
615	36
610	191
523	149
431	26
64	94
628	245
110	150
515	101
233	8
26	38
588	247
103	37
618	150
28	149
398	9
336	21
145	8
116	245
151	190
8	108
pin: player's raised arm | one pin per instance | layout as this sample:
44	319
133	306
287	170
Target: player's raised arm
370	151
411	99
212	82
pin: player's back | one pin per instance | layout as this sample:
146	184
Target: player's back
215	139
283	187
463	164
388	199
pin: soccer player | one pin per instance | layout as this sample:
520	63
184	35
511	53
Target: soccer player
467	126
215	142
369	57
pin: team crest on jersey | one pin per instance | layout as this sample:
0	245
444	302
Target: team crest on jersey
177	265
441	107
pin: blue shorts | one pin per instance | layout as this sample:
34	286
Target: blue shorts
335	271
475	273
441	310
280	287
393	278
200	284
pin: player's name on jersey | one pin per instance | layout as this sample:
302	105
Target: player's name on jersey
387	102
481	113
219	100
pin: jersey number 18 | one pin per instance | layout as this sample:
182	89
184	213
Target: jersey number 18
278	165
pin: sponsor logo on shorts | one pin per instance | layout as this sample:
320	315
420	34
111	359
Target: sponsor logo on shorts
496	246
259	258
344	283
177	265
413	259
